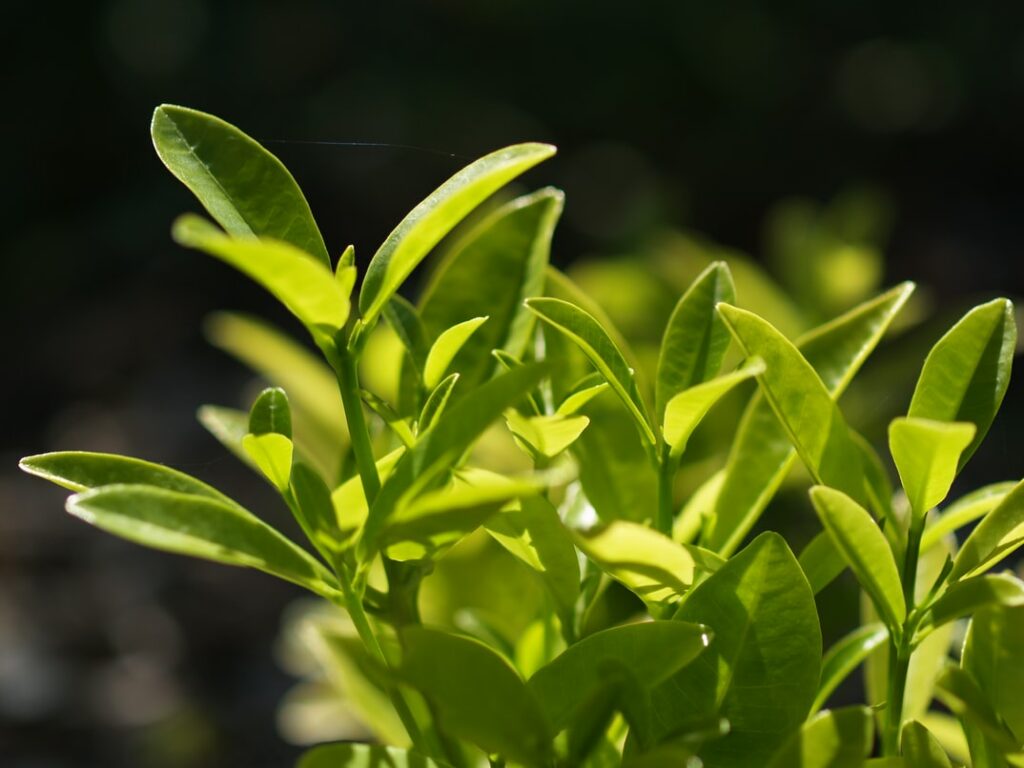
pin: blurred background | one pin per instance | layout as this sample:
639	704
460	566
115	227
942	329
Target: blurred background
838	147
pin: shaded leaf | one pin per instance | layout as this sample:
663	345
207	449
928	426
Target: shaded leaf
965	597
994	538
921	749
477	695
228	426
845	656
437	402
363	756
994	657
831	739
271	413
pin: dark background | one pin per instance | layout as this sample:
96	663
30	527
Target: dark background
679	114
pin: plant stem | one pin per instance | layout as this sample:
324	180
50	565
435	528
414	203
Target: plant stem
900	649
348	384
666	467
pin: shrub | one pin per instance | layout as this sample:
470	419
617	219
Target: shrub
665	635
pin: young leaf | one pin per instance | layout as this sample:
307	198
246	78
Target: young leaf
546	435
491	271
652	651
271	413
695	338
593	340
436	403
363	756
965	510
444	349
995	537
845	656
921	749
82	471
579	398
399	426
299	281
534	533
272	454
445	442
349	498
435	217
801	402
405	320
476	694
647	562
686	410
762	453
926	453
966	373
243	186
832	739
965	597
761	671
200	527
858	538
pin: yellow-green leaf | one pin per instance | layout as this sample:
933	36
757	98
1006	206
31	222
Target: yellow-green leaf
927	453
444	349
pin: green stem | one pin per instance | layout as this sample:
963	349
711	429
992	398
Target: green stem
348	384
666	467
900	649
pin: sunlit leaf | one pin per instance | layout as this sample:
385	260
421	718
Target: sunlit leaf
272	454
861	543
593	340
965	510
243	186
995	537
921	749
695	338
579	398
298	280
966	373
686	410
444	349
546	435
926	453
965	597
200	527
437	402
435	217
363	756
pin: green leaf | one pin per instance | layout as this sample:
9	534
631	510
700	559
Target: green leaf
491	271
965	597
926	453
697	510
349	498
405	320
439	518
820	562
444	443
296	279
228	426
761	671
801	402
845	656
444	349
686	410
994	657
832	739
963	511
593	340
271	413
695	338
476	694
82	470
995	537
398	425
645	561
652	651
921	749
534	533
546	435
318	417
437	402
762	454
963	696
435	217
579	398
314	509
861	543
363	756
243	186
199	527
272	454
966	373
